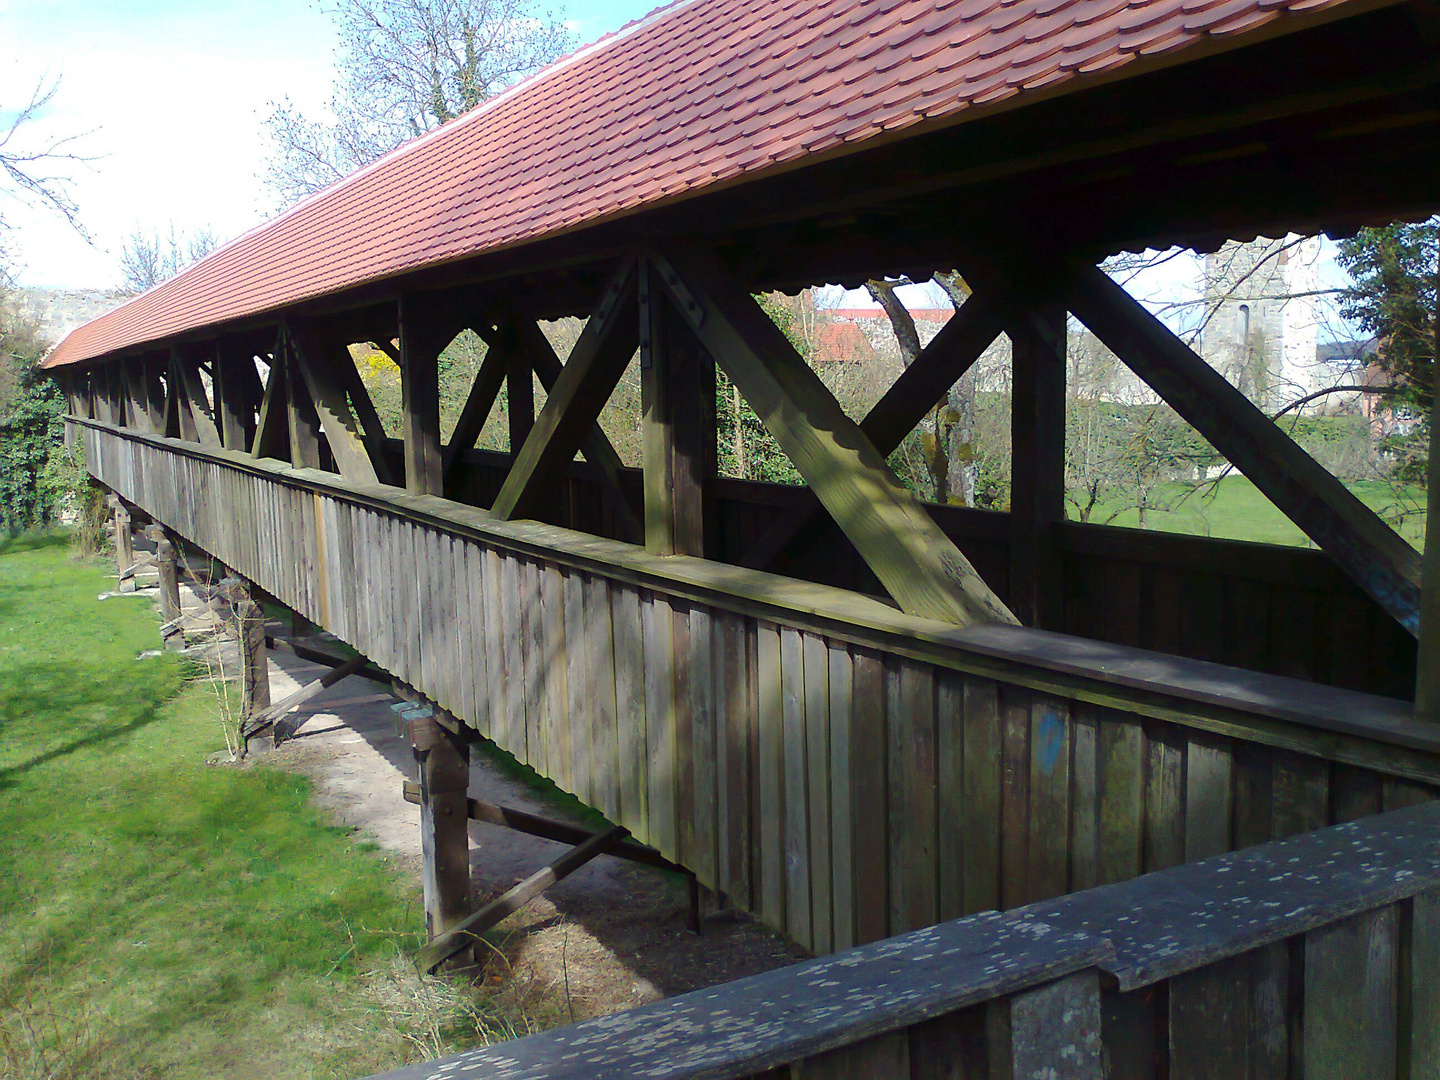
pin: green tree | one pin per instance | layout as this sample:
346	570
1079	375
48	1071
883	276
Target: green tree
36	472
1393	298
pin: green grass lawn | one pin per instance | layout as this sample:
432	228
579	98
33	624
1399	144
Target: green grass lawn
1234	509
159	916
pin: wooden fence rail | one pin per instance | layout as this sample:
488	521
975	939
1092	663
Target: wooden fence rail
843	770
1314	957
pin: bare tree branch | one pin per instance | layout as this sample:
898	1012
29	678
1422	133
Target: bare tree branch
405	67
41	172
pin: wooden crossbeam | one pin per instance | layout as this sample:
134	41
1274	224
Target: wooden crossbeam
202	420
942	363
342	432
917	563
1347	530
586	382
469	930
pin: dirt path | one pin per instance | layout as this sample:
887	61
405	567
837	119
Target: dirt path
611	936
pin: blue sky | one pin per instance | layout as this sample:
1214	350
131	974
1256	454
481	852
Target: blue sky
173	93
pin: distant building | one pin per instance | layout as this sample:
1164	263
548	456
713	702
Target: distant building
1262	321
58	311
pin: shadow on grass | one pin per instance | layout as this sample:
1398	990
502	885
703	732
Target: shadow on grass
16	543
102	710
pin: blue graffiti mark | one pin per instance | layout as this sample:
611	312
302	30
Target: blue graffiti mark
1050	741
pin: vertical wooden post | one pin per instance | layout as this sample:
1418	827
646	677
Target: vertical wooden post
254	661
124	544
1037	470
677	389
236	385
169	574
420	348
519	397
155	394
304	421
1053	1031
443	761
1427	657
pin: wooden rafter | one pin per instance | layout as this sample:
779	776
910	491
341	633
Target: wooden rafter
596	363
1367	549
918	564
950	354
342	432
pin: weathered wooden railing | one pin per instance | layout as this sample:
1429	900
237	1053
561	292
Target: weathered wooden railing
1286	611
1314	957
843	770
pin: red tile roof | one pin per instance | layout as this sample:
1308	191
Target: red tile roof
700	92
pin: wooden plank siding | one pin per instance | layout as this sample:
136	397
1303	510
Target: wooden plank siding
838	786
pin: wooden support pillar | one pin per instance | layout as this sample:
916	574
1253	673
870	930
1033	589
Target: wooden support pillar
250	634
677	385
169	567
155	394
124	544
422	339
443	762
1037	471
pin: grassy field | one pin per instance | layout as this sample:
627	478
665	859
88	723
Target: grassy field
1234	509
163	917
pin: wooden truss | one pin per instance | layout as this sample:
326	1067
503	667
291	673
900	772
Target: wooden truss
688	314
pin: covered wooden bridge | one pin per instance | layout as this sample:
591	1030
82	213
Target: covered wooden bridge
851	713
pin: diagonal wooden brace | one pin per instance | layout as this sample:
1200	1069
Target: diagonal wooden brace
1368	550
274	716
918	564
584	385
950	354
468	931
